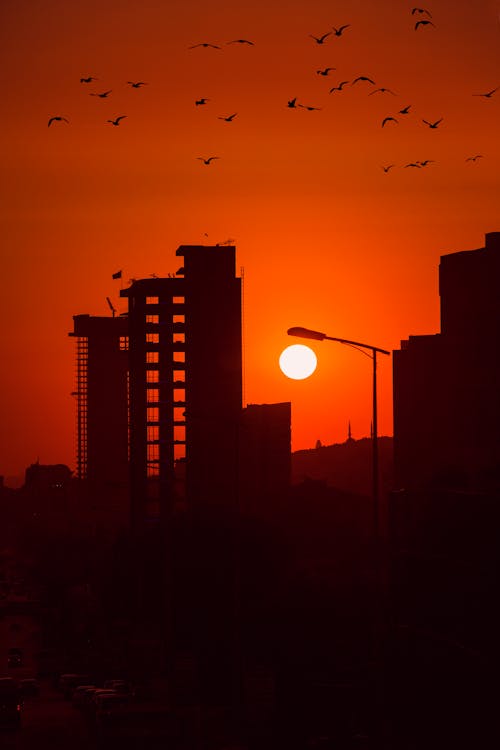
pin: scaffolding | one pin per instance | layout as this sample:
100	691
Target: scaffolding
82	368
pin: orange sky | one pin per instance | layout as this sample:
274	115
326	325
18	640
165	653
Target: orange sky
326	238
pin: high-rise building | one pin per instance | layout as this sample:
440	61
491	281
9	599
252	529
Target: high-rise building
446	394
185	383
101	393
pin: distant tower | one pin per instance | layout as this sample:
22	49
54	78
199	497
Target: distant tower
349	435
101	392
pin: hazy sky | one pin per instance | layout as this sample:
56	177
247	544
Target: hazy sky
326	238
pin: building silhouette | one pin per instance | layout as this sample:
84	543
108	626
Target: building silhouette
446	395
101	394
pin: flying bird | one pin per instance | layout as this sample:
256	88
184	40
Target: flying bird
340	30
488	93
388	119
203	100
339	87
307	106
325	71
103	95
320	39
382	91
207	161
240	41
426	162
292	103
88	80
229	118
204	44
420	11
424	23
412	164
362	78
56	118
405	110
433	125
474	158
388	167
116	121
137	84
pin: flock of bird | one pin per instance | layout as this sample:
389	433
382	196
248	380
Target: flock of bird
422	19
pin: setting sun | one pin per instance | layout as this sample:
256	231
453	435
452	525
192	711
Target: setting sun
298	361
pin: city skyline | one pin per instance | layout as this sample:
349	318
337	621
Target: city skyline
327	238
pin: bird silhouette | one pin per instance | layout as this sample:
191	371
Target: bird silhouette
382	91
388	119
339	87
433	125
307	106
362	78
89	79
405	110
103	95
204	44
229	118
325	71
56	118
137	84
116	121
292	103
420	11
488	93
412	164
340	30
320	39
474	158
426	162
241	41
388	167
424	23
203	100
207	161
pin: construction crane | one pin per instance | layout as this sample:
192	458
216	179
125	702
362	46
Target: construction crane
113	311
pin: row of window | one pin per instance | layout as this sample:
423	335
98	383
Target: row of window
156	300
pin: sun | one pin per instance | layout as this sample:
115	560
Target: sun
298	361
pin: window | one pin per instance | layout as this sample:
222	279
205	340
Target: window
152	319
179	394
179	338
153	395
152	338
178	318
152	357
179	356
152	376
152	414
152	300
153	433
178	300
123	343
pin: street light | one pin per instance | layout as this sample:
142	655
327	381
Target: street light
306	333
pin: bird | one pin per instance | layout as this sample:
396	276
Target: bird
474	158
320	39
433	125
207	161
203	100
204	44
292	103
388	119
420	11
116	121
412	164
240	41
362	78
103	95
488	93
339	87
424	23
307	106
229	118
89	79
388	167
325	71
340	30
56	118
405	110
425	162
382	91
137	84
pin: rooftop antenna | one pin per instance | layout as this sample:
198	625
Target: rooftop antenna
113	311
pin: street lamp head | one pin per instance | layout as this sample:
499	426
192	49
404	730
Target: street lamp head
306	333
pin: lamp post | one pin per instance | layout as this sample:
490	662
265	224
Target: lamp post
307	333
